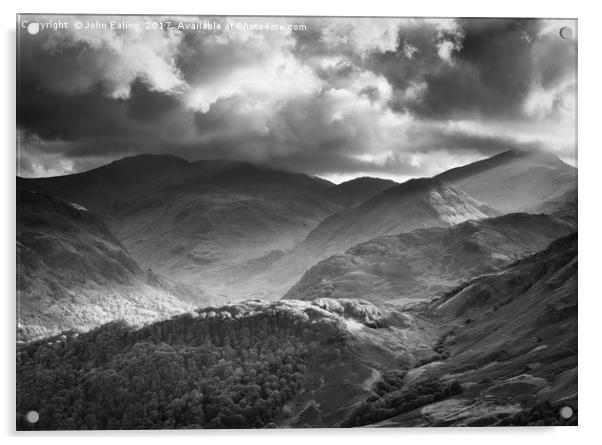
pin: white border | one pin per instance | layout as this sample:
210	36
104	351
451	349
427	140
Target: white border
590	216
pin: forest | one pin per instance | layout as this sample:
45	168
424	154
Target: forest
207	369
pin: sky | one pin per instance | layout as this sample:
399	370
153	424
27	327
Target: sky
333	97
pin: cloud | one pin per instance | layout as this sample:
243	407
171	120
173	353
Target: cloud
360	35
342	97
41	157
481	67
72	61
277	77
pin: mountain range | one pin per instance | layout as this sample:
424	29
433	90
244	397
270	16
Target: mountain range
204	222
226	230
417	203
439	301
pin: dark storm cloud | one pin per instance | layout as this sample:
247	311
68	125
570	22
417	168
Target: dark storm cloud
71	117
490	74
397	97
145	105
96	124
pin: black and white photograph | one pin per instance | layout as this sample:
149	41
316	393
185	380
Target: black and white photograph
247	222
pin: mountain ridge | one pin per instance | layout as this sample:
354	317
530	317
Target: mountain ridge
423	263
418	203
514	180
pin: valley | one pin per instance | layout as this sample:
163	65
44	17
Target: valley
257	298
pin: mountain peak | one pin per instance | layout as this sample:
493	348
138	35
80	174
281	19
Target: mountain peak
533	155
418	184
365	180
515	180
359	190
147	160
408	188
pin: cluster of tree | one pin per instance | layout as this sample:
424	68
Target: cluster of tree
391	380
440	346
400	399
212	369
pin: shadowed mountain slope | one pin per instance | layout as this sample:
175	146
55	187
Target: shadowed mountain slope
426	262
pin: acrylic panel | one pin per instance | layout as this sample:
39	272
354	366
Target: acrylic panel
295	222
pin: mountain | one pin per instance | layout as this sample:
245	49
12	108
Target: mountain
73	273
241	231
427	262
515	180
417	203
204	223
423	202
498	350
508	338
356	191
489	339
